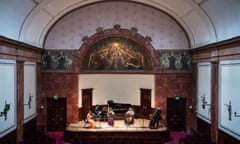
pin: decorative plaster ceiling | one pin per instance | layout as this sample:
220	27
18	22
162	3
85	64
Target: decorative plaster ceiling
187	13
68	32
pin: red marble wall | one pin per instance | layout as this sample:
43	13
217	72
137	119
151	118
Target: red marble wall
64	85
168	85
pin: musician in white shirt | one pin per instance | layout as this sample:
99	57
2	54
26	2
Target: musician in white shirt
129	116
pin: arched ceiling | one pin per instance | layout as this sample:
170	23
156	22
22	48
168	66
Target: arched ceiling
204	21
164	31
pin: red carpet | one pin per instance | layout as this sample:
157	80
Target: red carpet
57	136
175	137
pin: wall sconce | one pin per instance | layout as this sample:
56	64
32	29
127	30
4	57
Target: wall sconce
29	101
5	111
204	102
41	107
236	115
190	105
229	107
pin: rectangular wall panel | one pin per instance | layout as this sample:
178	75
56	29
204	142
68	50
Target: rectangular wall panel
7	96
229	97
204	91
29	91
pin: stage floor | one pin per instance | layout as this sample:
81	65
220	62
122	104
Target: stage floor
120	133
119	125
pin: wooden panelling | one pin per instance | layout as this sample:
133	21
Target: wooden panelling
203	127
10	49
10	138
117	137
145	95
226	50
224	138
29	129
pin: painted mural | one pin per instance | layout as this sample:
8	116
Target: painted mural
176	60
116	53
57	60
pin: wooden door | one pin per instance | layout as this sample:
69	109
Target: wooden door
86	101
145	102
176	113
56	114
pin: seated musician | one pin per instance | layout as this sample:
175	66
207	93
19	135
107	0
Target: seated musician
110	116
129	116
90	119
155	118
104	113
96	110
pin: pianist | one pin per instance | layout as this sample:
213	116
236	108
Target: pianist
96	110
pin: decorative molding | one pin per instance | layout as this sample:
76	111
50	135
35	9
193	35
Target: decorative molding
11	49
225	50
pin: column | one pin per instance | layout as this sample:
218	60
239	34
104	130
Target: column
214	105
20	100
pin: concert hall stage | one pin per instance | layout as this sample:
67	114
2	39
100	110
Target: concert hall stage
120	133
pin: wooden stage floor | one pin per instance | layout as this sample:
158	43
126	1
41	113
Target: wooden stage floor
119	125
139	132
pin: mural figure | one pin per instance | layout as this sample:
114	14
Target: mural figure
47	60
184	61
172	60
61	61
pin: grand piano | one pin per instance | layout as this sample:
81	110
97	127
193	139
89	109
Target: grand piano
119	109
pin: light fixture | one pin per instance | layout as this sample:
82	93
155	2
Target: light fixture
229	107
55	97
41	107
236	115
5	111
204	102
29	103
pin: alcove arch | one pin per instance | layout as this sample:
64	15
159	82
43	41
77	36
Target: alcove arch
136	47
